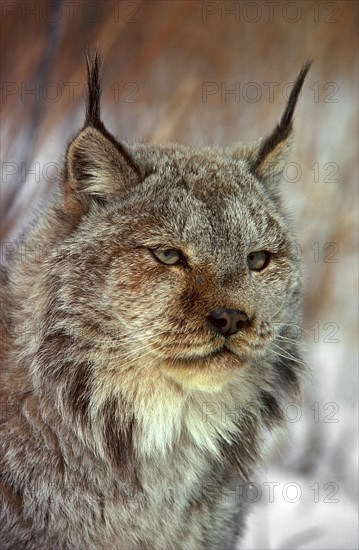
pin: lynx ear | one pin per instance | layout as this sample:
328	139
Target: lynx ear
267	156
97	166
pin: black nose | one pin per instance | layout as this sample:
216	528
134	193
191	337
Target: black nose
227	321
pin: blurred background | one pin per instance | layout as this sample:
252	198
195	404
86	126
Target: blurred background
214	72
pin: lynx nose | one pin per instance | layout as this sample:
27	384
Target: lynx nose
227	321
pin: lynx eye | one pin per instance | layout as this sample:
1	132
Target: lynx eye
167	256
258	260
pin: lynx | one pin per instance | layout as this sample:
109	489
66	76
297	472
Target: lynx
147	347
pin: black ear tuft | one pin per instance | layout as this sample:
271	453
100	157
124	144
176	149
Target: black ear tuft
93	106
94	89
283	130
98	167
285	124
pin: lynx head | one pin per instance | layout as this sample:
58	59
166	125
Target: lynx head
177	271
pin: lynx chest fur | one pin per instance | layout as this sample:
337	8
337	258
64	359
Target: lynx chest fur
155	301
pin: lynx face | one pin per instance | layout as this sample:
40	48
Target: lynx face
177	264
168	278
212	307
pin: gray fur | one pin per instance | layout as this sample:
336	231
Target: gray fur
122	425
